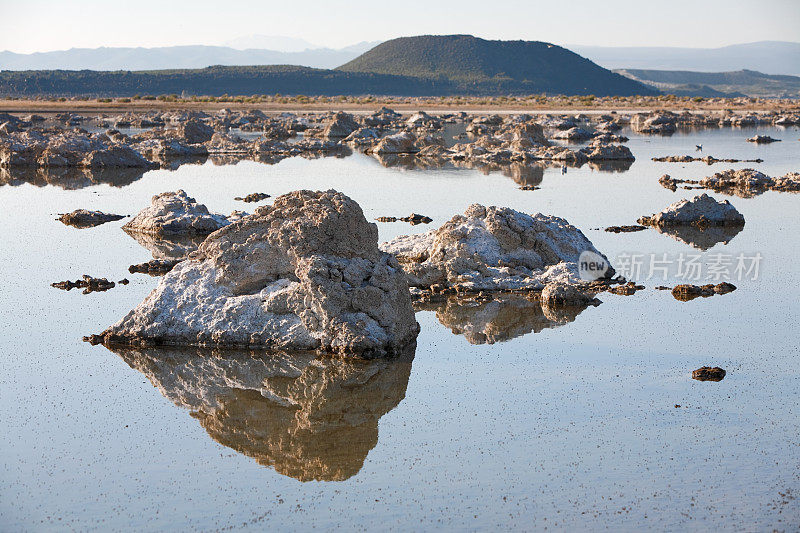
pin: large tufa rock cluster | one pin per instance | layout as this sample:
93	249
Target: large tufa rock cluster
745	182
302	274
493	248
175	213
67	149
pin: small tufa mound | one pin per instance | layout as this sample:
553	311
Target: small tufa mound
493	249
700	211
564	294
762	139
687	292
302	274
83	218
87	283
413	219
707	373
155	267
253	197
175	213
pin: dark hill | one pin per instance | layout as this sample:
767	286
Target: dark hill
481	66
214	81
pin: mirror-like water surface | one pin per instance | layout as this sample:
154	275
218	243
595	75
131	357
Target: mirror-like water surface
506	415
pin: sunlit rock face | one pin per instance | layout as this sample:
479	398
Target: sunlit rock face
493	248
302	274
700	211
309	417
175	213
499	319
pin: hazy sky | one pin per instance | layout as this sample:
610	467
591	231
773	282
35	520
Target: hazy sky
34	25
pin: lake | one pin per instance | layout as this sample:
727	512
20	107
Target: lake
503	417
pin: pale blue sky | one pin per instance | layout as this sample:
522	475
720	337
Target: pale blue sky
35	25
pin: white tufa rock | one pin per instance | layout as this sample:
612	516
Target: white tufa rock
493	248
399	143
701	210
302	274
175	213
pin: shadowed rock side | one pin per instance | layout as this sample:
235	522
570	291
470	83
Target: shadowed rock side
493	249
302	274
308	417
499	319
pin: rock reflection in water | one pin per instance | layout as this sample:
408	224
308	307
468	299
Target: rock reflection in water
69	178
499	319
701	238
309	417
172	247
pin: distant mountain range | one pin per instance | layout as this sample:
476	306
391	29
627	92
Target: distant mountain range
409	66
172	57
772	57
738	83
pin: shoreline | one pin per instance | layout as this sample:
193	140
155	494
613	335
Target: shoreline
95	106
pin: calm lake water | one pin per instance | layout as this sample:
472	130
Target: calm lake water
502	418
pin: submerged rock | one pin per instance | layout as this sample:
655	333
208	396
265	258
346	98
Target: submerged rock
412	219
83	218
87	283
625	229
304	273
762	139
156	267
493	248
253	197
700	211
688	292
707	373
175	213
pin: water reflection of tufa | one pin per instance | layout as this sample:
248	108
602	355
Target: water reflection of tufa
701	238
172	247
502	318
308	416
525	174
69	178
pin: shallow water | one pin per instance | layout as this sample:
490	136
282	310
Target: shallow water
504	417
